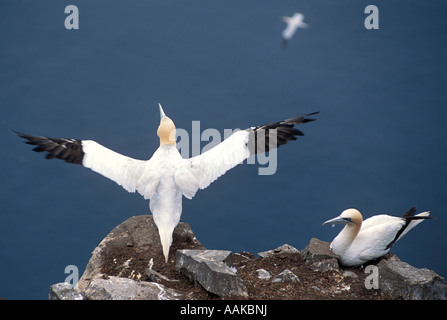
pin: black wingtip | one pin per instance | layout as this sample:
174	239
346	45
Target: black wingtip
300	119
69	150
20	134
23	136
311	114
419	218
285	132
410	215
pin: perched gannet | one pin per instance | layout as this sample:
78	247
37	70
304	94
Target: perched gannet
166	176
294	22
361	241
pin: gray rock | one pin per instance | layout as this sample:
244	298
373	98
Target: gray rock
286	276
117	288
122	259
319	257
263	274
213	270
135	237
63	291
403	281
285	248
349	274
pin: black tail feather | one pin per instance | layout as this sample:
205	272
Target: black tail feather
410	215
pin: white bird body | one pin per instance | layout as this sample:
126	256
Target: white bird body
362	241
166	199
166	176
293	23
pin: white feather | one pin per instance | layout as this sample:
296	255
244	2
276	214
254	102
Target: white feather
123	170
212	164
372	240
294	22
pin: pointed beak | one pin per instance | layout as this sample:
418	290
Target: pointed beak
162	113
337	220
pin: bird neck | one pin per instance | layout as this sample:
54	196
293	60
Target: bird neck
347	236
166	140
166	132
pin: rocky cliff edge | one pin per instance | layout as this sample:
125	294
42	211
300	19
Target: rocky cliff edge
128	265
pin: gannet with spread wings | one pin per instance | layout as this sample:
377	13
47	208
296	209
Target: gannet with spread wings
166	177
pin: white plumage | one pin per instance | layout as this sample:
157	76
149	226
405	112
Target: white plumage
123	170
294	22
166	176
361	241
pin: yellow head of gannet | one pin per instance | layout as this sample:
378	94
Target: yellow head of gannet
352	218
166	130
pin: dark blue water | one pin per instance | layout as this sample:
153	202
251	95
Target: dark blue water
379	144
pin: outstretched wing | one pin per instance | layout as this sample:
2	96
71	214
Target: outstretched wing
200	171
123	170
285	132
